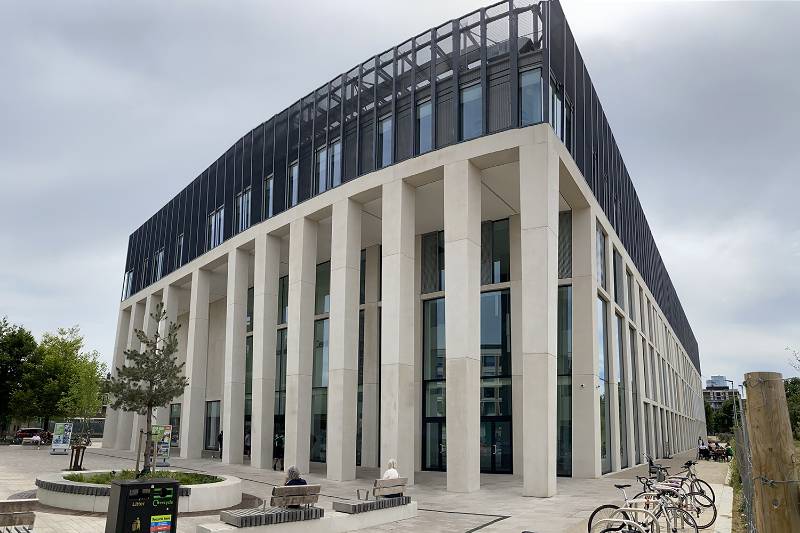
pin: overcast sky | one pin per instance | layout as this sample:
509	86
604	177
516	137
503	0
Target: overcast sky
107	109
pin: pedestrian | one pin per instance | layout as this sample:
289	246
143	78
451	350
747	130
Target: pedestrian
37	440
219	443
247	444
277	451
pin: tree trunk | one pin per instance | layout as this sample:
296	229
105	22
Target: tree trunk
148	439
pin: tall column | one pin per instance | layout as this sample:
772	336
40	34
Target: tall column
266	271
235	332
299	341
169	299
397	326
515	277
194	396
612	344
539	199
113	415
125	423
370	398
343	343
462	249
585	367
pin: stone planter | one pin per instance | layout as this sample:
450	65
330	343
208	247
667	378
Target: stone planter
56	491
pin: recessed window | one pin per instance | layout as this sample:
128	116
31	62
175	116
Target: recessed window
336	163
424	127
321	170
291	185
385	143
216	228
242	210
470	105
556	119
530	97
127	285
268	197
495	258
212	426
600	255
432	262
158	265
179	251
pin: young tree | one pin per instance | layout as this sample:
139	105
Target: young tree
17	345
84	399
47	375
151	377
792	388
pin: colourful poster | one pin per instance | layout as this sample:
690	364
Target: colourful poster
161	437
62	435
159	523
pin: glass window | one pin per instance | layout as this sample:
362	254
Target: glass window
158	265
268	197
530	97
179	251
216	226
432	262
565	244
127	285
495	334
249	317
283	299
424	127
564	383
495	258
619	290
621	391
320	372
362	278
600	251
212	427
175	422
605	417
242	210
555	111
385	143
321	170
471	111
292	185
631	299
322	300
319	392
280	372
433	344
336	163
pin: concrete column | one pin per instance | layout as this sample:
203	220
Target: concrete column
265	315
585	368
462	248
169	299
149	326
418	367
126	419
118	359
300	341
343	342
194	396
515	277
539	200
370	390
614	399
398	327
235	332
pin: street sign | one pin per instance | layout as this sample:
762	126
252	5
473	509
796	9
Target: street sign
161	436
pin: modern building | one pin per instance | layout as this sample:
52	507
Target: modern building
439	257
717	391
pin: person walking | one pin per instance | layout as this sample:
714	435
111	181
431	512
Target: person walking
277	451
219	444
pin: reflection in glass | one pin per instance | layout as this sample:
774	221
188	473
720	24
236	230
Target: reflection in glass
385	142
530	98
424	127
471	111
564	384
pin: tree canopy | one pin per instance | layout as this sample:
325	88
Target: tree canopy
17	345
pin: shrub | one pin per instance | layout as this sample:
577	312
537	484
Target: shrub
105	478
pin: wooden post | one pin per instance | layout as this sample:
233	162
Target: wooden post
775	488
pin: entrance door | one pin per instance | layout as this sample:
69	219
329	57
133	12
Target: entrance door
496	446
435	453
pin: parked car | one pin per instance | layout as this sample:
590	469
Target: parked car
26	433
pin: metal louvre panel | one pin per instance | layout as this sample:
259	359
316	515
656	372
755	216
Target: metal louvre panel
565	245
404	117
486	253
446	121
366	137
499	112
430	263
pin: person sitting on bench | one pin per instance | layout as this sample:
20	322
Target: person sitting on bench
293	478
392	473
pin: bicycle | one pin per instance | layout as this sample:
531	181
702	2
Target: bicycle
696	484
630	518
702	509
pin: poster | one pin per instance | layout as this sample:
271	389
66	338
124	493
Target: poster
161	436
62	435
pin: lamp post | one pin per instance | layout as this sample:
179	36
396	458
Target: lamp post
733	388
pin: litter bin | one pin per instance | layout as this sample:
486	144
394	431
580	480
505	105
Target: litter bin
143	506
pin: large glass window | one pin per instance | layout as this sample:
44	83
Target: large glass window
175	422
319	392
385	142
432	262
619	290
530	97
158	265
495	257
336	163
280	386
268	197
283	299
216	227
179	251
321	170
556	118
322	299
565	244
212	427
564	400
292	185
600	254
127	285
471	110
434	451
242	210
424	127
631	298
622	391
605	415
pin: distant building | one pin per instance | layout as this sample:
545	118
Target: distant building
718	390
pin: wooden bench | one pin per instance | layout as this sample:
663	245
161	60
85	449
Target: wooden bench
278	511
383	490
17	515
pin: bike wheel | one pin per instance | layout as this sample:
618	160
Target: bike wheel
703	510
700	486
605	511
675	520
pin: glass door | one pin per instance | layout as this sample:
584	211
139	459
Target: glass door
496	446
435	440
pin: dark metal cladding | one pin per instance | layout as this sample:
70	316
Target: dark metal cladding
488	48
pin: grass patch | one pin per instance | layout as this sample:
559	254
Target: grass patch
105	478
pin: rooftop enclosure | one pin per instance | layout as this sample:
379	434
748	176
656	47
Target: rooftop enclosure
510	65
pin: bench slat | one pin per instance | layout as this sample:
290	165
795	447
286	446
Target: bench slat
295	490
397	482
285	501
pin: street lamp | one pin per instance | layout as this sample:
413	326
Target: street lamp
733	388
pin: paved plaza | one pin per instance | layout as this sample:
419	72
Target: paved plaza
498	506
